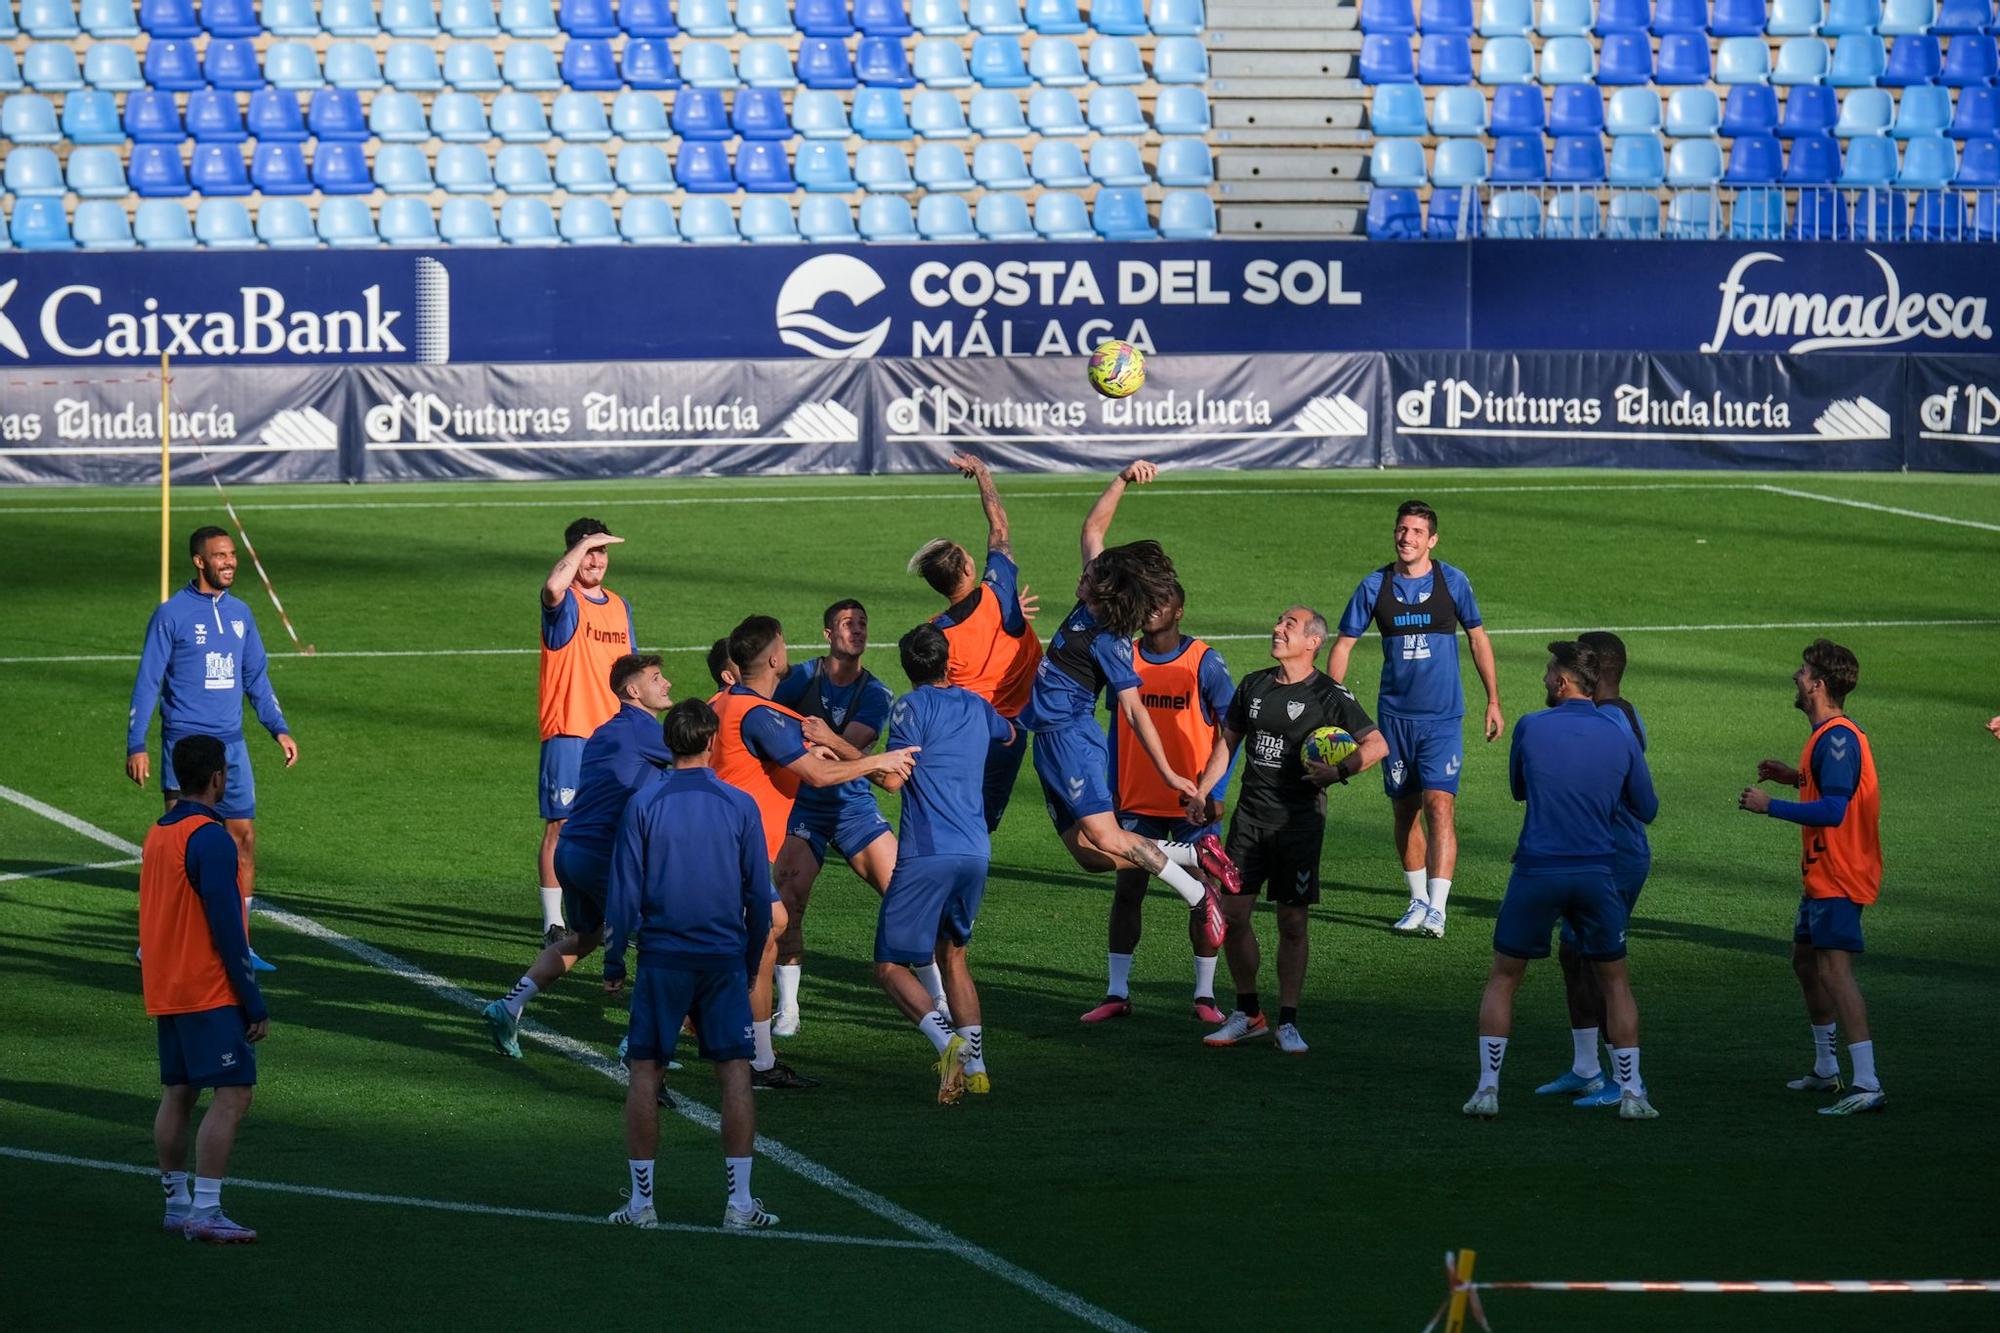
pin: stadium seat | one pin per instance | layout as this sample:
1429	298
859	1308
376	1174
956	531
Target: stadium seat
763	168
1754	159
639	117
1625	58
1683	59
172	65
462	168
113	67
412	67
1870	163
1938	215
1751	109
824	63
1397	162
1054	16
702	167
518	118
465	18
352	65
1814	160
40	224
1518	109
1694	164
530	67
10	74
1963	16
1177	110
1801	60
1116	60
348	18
217	169
1385	58
759	113
406	222
767	220
699	113
643	169
937	115
471	69
1054	112
946	18
1000	166
1637	161
1864	112
1844	17
1693	113
881	168
458	118
1393	215
997	115
1820	215
879	114
1693	215
941	64
1563	18
1737	18
1054	62
1922	112
156	171
169	18
1566	60
1177	18
1913	60
1390	16
589	63
647	222
51	67
578	117
817	18
1397	110
1757	215
1578	159
520	168
1454	215
1058	165
224	224
395	117
648	63
1858	61
1508	18
1120	215
1457	111
1185	163
707	18
1972	62
1679	16
589	222
941	166
1572	216
766	64
92	118
1979	168
347	224
945	217
886	218
528	18
335	113
101	225
466	222
275	116
824	220
1444	59
292	66
1794	18
1622	16
1928	164
1976	115
400	18
1004	217
1513	215
1185	60
996	16
402	168
110	19
1809	109
884	18
528	222
33	170
1631	111
583	169
1518	159
162	224
590	18
706	64
1743	60
342	168
1060	216
1459	163
820	114
1906	17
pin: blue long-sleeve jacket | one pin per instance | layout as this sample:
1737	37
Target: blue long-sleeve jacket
689	874
1576	767
211	868
202	656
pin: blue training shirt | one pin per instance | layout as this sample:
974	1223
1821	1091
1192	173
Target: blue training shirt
1575	767
202	657
806	689
1419	671
1003	580
1628	834
944	798
1214	688
621	757
768	733
688	874
1082	661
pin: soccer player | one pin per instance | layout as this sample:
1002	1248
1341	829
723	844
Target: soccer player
585	628
621	758
720	669
202	657
1120	589
1279	828
1841	864
691	875
844	708
1631	862
1185	688
195	968
933	898
1574	766
761	748
1419	604
994	649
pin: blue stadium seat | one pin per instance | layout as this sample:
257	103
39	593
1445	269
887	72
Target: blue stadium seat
1397	162
217	169
997	63
1851	16
825	220
768	220
945	217
349	18
1922	112
881	168
1061	216
1623	16
820	114
91	118
1858	61
1631	111
878	113
1757	215
759	113
111	19
648	63
1870	163
1054	62
1397	110
1914	60
589	63
51	67
591	18
1794	18
578	117
824	63
1743	60
1004	217
1000	166
819	18
397	118
1976	115
766	64
1385	58
1518	159
1566	60
156	171
1625	58
466	18
1737	18
1683	59
763	168
996	16
1453	16
702	167
643	168
822	168
1457	112
1578	159
1637	160
275	116
1177	110
1563	18
40	224
938	115
1809	109
173	66
33	170
412	67
1964	16
1820	215
471	69
1054	16
459	118
335	113
528	18
1693	113
1391	16
1672	16
1058	165
280	168
520	168
881	62
1509	18
1754	159
1177	18
941	64
1693	215
169	18
113	67
150	117
518	118
1972	62
1939	215
1694	164
466	222
1929	163
1979	168
224	224
1116	110
1518	109
887	218
528	222
352	65
400	18
1751	109
1815	160
583	169
402	168
1510	215
883	18
1117	18
342	168
1393	215
1905	17
231	64
997	115
639	117
1800	60
1572	216
1053	111
1865	112
706	64
648	18
648	222
530	67
1444	59
1633	216
1120	215
1185	163
1454	213
699	113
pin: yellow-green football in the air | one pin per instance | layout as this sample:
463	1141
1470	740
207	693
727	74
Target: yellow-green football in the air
1117	369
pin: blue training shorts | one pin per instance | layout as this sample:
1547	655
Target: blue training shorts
1072	763
239	796
1173	830
1424	754
585	879
1829	923
1587	899
1628	879
1003	766
562	769
206	1049
718	1002
848	827
928	896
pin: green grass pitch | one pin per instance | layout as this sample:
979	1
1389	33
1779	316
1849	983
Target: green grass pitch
1125	1167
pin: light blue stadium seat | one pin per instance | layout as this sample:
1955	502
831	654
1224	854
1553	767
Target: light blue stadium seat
528	18
1864	112
1622	16
1633	216
530	67
1518	109
1117	162
1800	60
879	114
1693	113
1054	16
1397	110
881	62
1751	109
335	113
1809	109
825	220
1394	215
412	67
1566	60
1120	215
941	64
1858	61
1116	110
825	63
648	63
1625	58
703	167
1397	162
1906	17
1693	215
1683	59
1572	216
468	18
1444	59
1118	18
1000	166
996	114
1814	160
1563	18
706	64
1518	160
941	166
471	69
1671	16
224	224
822	168
1061	216
1185	60
940	18
1054	112
699	113
406	222
528	222
347	224
520	168
881	168
1177	18
1004	217
150	117
518	118
91	118
711	18
162	224
767	220
217	169
762	168
590	64
283	18
402	168
1576	111
759	113
1754	159
1391	16
938	115
1386	58
1922	112
10	73
408	18
578	117
1578	159
1913	60
51	67
583	169
396	118
172	65
156	171
765	18
997	63
113	67
887	218
467	222
1851	16
1964	16
1737	18
1459	163
1870	162
1506	61
349	18
1187	215
1694	164
1631	111
1972	62
1508	18
766	64
112	19
1178	110
459	118
883	18
341	168
33	170
101	225
588	222
352	65
643	169
282	224
945	217
1513	215
462	168
1929	163
169	18
639	117
819	114
1457	111
1794	18
1058	164
1976	115
1054	62
648	222
1743	60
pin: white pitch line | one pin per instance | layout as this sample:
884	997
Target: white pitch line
54	871
893	1213
1925	515
455	1206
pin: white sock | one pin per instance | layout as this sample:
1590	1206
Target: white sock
933	982
738	1169
1862	1053
1121	975
517	999
1825	1063
207	1194
1440	893
174	1184
551	907
1187	886
975	1049
1585	1064
1204	978
1492	1050
1625	1068
766	1056
1415	879
642	1182
787	978
932	1025
1180	853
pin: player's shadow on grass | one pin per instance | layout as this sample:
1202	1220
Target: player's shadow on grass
125	878
448	920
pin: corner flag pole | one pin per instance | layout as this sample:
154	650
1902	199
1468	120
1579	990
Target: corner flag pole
166	485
